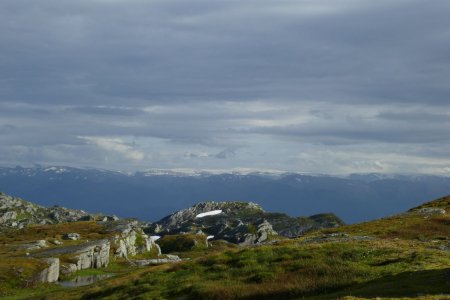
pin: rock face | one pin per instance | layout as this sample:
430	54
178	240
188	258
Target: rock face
239	222
93	254
15	212
51	273
132	240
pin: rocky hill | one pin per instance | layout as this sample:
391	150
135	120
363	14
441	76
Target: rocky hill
240	222
15	212
45	244
54	242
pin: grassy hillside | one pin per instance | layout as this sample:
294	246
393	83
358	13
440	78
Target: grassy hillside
403	256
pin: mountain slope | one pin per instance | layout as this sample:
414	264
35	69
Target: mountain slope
404	256
151	196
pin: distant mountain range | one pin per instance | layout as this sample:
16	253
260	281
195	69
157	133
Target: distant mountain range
153	194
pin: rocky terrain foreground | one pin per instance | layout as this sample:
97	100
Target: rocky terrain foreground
225	250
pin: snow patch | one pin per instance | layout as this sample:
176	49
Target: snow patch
209	213
209	237
55	169
155	237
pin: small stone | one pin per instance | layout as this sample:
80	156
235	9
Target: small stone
71	236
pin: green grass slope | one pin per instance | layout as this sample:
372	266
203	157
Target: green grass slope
406	256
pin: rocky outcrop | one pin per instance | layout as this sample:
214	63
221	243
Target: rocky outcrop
127	239
264	232
174	221
157	261
8	216
239	222
51	272
438	206
430	211
131	240
17	213
93	254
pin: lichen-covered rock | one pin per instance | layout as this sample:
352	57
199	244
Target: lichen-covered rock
50	273
132	240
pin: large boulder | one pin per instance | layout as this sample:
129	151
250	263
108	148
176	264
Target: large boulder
51	272
262	234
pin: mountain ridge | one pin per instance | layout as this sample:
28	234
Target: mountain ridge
152	197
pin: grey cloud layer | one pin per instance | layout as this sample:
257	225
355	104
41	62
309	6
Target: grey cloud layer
105	52
220	84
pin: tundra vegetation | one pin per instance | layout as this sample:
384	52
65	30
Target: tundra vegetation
404	256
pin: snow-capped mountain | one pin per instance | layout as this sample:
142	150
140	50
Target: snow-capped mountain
152	194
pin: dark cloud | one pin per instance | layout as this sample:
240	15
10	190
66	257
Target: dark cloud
173	82
93	51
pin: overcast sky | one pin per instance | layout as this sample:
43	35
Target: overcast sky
322	86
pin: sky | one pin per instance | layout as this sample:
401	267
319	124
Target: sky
317	86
